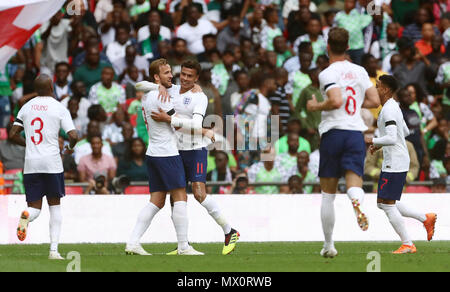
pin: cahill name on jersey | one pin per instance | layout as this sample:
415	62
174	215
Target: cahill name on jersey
353	81
42	118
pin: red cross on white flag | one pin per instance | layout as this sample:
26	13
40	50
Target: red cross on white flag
19	19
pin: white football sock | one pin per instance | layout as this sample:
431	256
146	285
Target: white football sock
55	226
33	213
356	193
213	209
328	217
143	222
411	213
397	222
180	221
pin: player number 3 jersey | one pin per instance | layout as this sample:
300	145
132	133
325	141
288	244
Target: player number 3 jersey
42	118
353	81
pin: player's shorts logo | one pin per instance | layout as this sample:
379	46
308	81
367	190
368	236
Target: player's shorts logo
187	100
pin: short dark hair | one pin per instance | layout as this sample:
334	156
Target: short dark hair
338	40
390	82
405	43
192	64
62	64
303	47
209	36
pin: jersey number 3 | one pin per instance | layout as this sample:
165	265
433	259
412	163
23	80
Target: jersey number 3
37	132
350	105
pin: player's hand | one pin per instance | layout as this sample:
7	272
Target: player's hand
311	105
210	134
196	89
67	151
161	116
163	94
374	149
368	140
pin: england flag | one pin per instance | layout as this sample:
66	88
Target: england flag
19	19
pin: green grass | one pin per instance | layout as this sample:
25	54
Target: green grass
248	257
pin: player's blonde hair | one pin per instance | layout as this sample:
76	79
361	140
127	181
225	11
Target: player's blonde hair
154	67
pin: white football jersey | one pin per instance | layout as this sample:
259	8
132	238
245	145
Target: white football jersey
162	141
353	81
187	105
42	118
395	157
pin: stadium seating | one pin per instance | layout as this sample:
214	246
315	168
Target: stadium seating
74	190
136	190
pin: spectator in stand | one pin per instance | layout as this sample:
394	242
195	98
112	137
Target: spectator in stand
310	120
55	35
231	34
427	120
265	172
119	150
116	49
413	67
132	165
221	173
327	5
270	30
117	17
155	5
150	35
91	70
370	63
11	155
413	122
113	132
437	157
301	169
295	185
293	64
281	99
313	35
95	162
62	85
80	122
221	73
424	45
414	30
131	58
91	42
179	54
78	91
194	29
290	8
240	185
69	165
283	51
354	22
285	162
108	93
210	44
293	127
299	80
83	146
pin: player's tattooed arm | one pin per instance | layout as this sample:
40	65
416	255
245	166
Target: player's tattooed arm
15	137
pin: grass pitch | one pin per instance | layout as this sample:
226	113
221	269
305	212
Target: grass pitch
248	257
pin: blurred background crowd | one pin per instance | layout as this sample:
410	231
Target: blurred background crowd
261	53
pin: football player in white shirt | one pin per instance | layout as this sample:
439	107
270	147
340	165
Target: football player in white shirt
346	88
191	108
393	130
165	168
42	117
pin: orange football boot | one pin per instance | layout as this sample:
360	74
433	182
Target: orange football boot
23	225
406	249
429	225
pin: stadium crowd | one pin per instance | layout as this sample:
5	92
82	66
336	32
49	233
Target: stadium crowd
267	53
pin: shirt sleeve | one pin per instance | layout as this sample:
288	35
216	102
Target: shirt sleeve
66	120
201	106
328	81
19	119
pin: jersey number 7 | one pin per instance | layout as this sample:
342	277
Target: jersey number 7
37	131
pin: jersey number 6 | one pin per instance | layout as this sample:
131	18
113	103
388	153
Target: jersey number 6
37	131
350	108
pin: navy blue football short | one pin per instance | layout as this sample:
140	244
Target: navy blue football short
38	185
390	185
165	173
340	151
195	164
